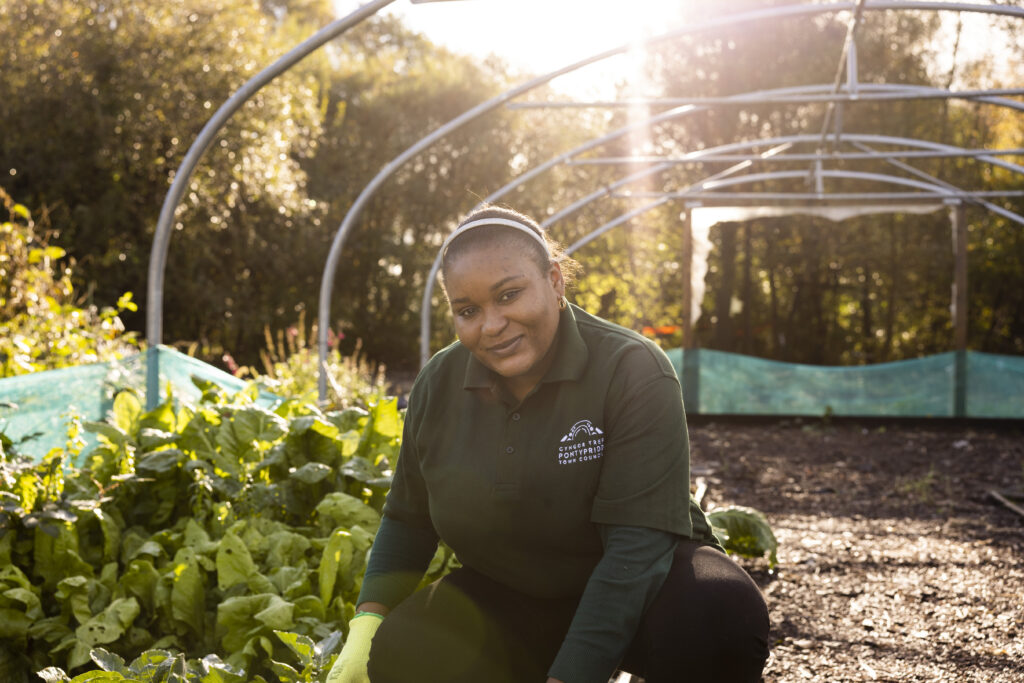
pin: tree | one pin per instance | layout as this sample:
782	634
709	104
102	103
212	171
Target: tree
124	88
99	102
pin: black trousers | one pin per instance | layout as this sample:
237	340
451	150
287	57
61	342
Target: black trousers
709	623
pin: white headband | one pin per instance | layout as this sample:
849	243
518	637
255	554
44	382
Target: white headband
507	222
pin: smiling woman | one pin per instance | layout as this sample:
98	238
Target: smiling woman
547	448
505	301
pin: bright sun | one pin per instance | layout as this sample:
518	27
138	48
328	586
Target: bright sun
539	36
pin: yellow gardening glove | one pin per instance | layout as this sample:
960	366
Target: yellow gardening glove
350	666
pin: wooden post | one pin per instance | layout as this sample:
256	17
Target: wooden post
958	218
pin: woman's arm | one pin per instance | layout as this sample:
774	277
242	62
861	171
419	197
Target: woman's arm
406	540
375	607
400	555
635	563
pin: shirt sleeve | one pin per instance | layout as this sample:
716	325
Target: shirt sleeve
407	499
645	474
400	555
632	570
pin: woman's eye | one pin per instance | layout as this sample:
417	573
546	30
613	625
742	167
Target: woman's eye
510	294
466	312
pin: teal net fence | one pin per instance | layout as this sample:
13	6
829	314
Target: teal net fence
36	409
955	384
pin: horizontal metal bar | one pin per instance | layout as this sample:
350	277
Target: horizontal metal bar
828	196
806	156
746	100
994	208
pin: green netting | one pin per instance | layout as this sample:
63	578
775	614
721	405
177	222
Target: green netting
719	383
35	409
995	385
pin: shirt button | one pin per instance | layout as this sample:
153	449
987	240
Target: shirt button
515	416
509	450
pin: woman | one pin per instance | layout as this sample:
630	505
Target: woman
548	449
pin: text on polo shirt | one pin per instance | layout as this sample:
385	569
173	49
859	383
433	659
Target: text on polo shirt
582	443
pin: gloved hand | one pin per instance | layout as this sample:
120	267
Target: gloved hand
350	666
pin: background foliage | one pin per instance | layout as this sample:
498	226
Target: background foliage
100	99
43	324
802	289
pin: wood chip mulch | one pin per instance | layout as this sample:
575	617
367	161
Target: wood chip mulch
895	562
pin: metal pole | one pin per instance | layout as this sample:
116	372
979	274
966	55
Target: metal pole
876	92
837	81
687	267
851	175
994	208
958	218
705	158
700	155
162	235
727	199
690	379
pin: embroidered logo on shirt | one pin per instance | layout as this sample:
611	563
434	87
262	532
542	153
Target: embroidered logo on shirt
583	442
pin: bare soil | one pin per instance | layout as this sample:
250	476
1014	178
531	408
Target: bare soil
895	563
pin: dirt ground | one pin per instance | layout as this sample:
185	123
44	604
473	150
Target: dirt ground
894	562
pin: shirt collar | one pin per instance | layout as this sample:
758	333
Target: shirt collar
569	363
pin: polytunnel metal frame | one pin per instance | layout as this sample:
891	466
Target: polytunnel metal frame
774	13
941	191
158	256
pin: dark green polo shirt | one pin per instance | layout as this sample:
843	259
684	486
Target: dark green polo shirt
515	488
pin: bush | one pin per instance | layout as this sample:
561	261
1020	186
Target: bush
290	368
42	326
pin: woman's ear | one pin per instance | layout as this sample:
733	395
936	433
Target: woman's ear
557	281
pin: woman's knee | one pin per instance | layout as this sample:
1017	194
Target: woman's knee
465	629
708	622
434	635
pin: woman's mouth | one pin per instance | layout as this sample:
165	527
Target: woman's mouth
506	348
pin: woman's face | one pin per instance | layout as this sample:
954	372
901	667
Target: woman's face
506	311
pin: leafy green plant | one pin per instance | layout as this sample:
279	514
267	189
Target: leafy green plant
152	666
315	659
194	529
161	666
42	326
744	531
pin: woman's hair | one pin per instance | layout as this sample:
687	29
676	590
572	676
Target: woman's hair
498	234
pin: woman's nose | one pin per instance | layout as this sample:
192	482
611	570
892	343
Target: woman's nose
494	321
